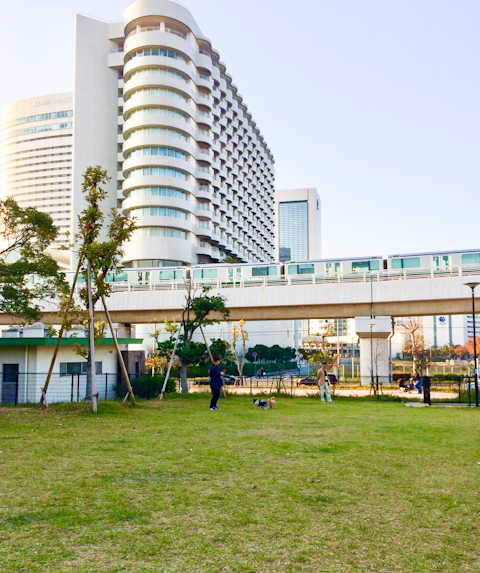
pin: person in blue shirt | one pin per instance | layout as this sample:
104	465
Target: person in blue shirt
216	382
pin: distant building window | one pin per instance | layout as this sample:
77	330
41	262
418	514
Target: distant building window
293	230
68	368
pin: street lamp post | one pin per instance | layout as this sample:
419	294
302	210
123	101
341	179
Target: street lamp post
475	369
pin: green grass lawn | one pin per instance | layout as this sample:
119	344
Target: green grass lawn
368	486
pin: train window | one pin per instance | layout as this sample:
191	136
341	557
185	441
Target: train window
332	268
171	275
205	274
471	259
264	271
112	277
301	269
441	262
365	265
408	263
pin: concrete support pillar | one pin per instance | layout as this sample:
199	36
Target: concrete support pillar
374	348
162	26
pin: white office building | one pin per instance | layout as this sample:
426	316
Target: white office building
37	157
155	106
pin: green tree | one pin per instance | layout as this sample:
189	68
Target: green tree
28	274
197	314
98	258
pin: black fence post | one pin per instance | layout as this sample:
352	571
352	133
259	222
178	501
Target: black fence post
148	386
291	385
469	391
71	391
78	387
459	392
106	387
16	390
426	390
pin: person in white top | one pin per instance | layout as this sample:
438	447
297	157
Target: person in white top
322	381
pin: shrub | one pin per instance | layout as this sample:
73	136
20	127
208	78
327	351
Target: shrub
146	386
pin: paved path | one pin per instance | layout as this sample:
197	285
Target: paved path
358	392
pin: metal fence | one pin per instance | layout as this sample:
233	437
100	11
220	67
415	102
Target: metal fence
25	388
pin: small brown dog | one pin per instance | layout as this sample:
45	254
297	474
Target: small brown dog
271	403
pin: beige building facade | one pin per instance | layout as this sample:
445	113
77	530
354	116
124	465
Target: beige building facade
37	156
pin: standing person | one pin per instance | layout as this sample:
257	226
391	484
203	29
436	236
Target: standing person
216	382
417	381
322	381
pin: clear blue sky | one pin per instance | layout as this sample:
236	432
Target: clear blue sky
374	102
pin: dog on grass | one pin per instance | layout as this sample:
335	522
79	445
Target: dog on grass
271	403
262	404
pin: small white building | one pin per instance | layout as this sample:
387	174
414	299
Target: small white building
26	354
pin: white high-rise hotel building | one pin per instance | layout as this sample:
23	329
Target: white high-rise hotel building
154	105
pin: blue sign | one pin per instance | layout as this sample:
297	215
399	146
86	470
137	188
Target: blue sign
254	354
442	319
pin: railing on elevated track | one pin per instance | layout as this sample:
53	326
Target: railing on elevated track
293	280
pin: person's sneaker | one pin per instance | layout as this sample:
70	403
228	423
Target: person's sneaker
216	408
212	408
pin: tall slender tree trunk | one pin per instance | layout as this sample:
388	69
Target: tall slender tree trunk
183	377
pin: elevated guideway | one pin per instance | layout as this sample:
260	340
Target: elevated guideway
394	293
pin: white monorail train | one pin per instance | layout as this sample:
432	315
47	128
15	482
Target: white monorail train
323	270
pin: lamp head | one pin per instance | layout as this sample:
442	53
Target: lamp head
472	285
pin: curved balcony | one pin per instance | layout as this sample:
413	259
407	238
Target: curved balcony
203	250
172	222
156	121
207	176
201	232
158	201
163	102
162	39
204	61
158	181
158	140
203	119
145	247
142	62
157	161
204	84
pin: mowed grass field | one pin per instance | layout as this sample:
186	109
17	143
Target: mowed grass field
173	487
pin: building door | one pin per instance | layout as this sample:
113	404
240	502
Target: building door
234	275
10	384
143	277
441	262
333	269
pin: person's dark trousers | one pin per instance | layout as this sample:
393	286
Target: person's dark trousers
215	397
